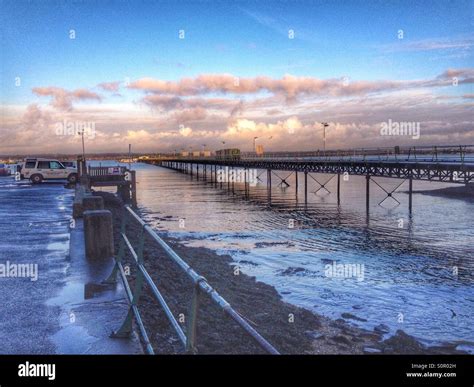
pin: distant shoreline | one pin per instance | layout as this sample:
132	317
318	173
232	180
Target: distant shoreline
461	192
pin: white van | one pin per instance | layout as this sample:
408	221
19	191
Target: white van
37	170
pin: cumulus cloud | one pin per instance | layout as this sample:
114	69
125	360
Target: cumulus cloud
190	115
62	99
289	86
185	131
178	114
110	86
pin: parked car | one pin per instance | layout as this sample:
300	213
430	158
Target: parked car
37	170
4	170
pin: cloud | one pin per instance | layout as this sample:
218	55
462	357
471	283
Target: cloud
62	99
238	109
464	43
190	115
288	86
185	132
286	117
110	86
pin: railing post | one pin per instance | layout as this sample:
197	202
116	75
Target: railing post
126	328
112	278
192	320
133	188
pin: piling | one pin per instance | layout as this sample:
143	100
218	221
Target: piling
92	203
269	185
367	192
410	194
296	184
99	237
306	187
338	189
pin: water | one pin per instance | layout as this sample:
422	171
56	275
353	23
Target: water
409	280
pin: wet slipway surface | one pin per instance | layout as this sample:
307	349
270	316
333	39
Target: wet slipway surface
34	230
51	315
418	271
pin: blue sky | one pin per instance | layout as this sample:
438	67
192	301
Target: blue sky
140	38
118	40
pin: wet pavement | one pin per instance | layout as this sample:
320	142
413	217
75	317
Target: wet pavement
43	308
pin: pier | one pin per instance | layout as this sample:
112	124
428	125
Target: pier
449	164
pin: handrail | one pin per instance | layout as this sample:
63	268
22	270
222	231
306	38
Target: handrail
200	286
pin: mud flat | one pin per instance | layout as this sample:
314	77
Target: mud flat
464	192
292	330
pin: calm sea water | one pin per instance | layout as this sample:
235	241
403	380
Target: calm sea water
418	272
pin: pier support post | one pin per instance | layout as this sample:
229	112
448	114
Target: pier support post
306	187
296	184
338	189
233	180
410	194
99	235
269	185
367	192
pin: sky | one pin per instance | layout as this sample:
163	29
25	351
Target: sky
181	75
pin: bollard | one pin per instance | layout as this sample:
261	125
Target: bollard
92	203
99	236
77	207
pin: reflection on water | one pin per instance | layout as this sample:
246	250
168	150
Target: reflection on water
418	272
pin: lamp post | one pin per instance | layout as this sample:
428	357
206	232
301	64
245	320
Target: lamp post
255	144
83	147
325	125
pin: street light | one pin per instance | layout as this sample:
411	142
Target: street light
255	144
325	125
83	148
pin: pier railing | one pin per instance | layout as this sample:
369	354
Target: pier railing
438	153
201	288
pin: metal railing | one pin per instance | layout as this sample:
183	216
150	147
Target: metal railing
200	288
106	171
439	153
445	153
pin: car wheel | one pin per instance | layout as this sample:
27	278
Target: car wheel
36	179
72	178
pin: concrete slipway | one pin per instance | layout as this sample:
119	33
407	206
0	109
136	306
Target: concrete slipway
51	315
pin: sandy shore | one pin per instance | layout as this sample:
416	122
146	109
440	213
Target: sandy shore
292	330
